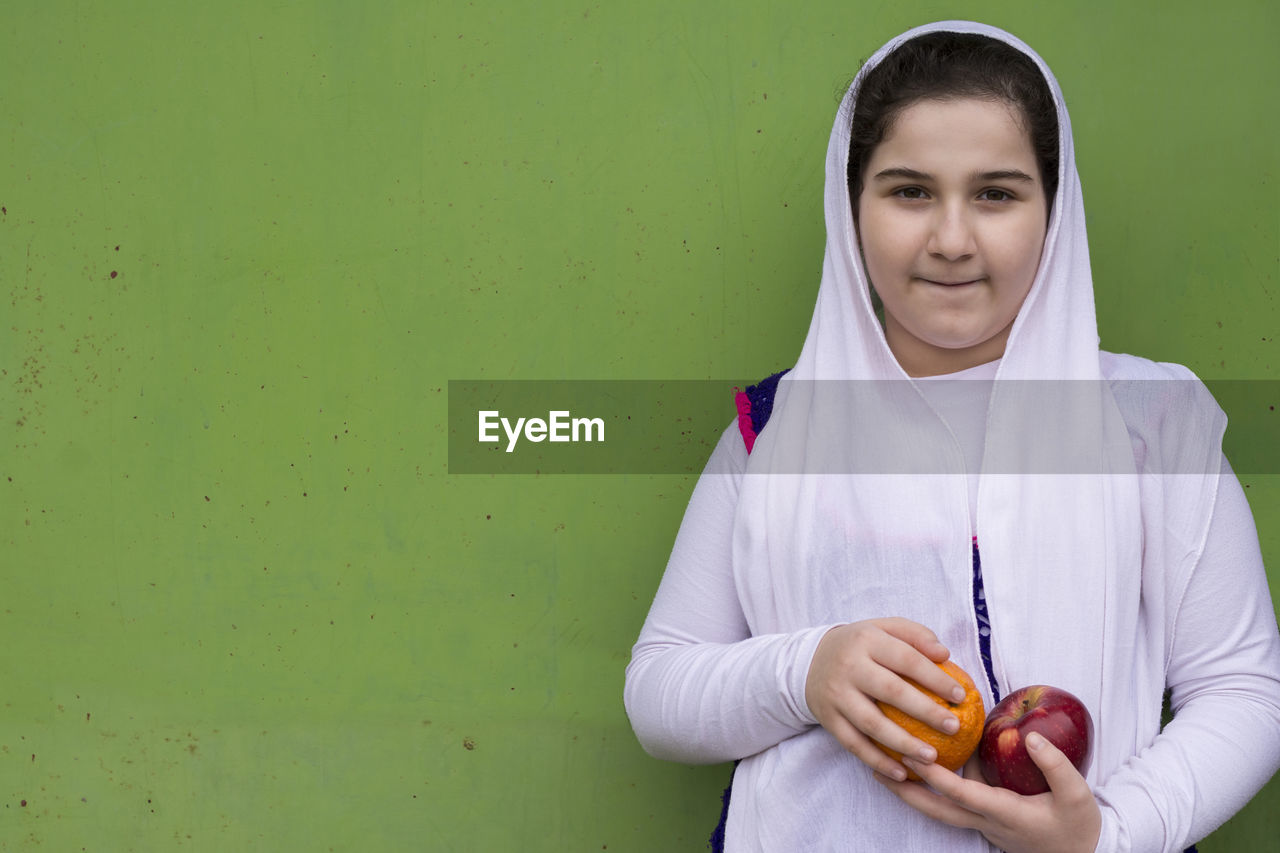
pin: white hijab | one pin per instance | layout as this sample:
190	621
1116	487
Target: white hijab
829	537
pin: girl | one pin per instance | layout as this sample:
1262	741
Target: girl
1086	534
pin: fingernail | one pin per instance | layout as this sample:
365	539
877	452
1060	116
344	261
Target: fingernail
899	774
927	754
1035	740
951	725
957	694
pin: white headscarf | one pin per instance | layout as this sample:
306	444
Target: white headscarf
817	541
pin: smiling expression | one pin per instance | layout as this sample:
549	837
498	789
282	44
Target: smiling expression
951	223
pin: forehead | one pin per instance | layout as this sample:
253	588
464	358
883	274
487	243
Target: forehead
954	129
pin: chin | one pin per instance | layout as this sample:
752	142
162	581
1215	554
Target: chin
961	345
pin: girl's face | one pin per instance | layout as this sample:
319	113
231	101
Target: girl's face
951	222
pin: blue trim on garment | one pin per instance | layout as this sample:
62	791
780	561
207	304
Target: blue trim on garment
761	397
984	623
716	842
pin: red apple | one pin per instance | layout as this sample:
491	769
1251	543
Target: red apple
1054	713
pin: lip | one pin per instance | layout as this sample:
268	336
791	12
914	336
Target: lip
950	283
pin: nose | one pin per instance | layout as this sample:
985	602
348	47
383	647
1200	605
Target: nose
952	237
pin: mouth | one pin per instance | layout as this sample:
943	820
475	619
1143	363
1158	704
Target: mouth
950	283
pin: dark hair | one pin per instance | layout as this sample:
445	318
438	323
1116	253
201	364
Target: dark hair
945	65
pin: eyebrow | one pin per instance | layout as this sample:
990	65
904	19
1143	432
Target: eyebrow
916	175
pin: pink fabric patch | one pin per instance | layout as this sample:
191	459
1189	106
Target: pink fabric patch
744	419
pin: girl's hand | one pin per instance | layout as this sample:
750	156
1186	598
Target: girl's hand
859	663
1064	820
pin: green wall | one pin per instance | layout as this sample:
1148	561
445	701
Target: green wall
244	247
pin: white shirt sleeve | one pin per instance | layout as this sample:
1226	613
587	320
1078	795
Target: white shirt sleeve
699	688
1224	673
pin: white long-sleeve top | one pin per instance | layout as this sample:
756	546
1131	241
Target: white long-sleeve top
1118	557
701	689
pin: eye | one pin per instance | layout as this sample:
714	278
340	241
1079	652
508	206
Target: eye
912	193
995	194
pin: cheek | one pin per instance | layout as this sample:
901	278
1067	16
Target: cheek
1022	261
883	241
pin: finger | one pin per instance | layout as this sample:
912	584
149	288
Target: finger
933	805
916	653
916	635
977	798
1064	779
870	719
906	697
894	686
950	784
864	749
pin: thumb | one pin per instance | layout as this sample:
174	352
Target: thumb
1063	778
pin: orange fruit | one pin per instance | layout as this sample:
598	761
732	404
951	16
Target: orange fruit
953	750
